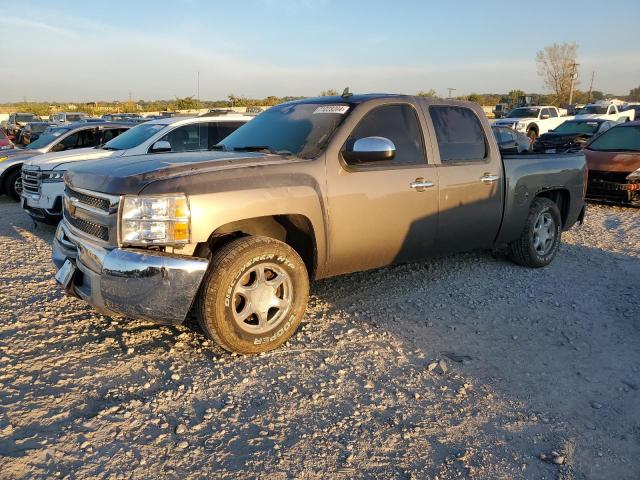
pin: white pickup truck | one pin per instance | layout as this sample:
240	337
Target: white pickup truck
605	111
43	177
534	121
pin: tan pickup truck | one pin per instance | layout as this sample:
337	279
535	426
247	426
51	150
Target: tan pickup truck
307	190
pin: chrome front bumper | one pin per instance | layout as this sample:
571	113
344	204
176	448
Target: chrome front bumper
131	282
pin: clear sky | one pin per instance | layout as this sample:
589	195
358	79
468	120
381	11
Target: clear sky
102	50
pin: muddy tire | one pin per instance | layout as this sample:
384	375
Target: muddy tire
253	296
13	184
540	240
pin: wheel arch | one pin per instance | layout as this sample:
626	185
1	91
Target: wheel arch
561	197
9	170
296	230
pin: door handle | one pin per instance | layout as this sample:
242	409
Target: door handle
489	178
420	184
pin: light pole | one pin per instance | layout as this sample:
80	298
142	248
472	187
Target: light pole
574	77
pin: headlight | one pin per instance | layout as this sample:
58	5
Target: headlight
53	176
634	175
155	220
520	126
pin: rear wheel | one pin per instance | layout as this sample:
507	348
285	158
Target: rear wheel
13	184
254	295
540	240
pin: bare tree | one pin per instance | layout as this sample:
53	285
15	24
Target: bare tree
557	66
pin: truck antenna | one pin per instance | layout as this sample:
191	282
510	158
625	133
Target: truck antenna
346	93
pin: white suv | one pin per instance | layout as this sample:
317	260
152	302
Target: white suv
44	175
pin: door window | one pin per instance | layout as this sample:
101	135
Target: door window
218	131
111	133
459	133
188	138
398	123
553	113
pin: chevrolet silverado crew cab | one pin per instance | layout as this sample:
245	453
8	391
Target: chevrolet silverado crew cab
307	190
534	121
42	176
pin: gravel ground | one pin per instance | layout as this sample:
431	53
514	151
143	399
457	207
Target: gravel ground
462	367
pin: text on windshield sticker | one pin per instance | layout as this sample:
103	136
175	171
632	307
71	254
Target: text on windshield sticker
340	109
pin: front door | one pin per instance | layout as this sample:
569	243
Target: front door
382	213
470	180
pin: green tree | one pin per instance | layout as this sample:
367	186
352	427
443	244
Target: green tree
474	97
186	103
329	93
634	94
428	93
513	96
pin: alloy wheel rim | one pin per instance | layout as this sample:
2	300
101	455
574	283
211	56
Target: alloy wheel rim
544	233
261	298
17	186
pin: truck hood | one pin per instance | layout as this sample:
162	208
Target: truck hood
621	162
50	161
562	140
17	155
130	175
510	121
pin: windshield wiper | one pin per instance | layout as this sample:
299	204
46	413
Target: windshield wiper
218	147
262	148
107	148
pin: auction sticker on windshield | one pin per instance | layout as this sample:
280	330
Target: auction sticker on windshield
341	109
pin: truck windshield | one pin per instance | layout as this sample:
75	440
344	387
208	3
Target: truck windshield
301	129
578	127
618	139
134	137
524	113
592	109
47	138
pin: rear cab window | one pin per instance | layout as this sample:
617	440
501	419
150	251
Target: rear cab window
460	135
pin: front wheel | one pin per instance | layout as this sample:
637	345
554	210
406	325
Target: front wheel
13	184
254	295
540	240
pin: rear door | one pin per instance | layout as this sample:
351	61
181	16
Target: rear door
470	180
381	212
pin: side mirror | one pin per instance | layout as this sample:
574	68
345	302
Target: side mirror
550	130
161	146
370	149
544	116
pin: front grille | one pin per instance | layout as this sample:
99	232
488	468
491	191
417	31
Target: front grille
90	200
90	228
31	181
608	186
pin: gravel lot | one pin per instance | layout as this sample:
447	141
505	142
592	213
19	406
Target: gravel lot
463	367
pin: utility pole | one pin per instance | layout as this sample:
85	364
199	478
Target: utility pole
450	90
593	74
198	89
574	77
